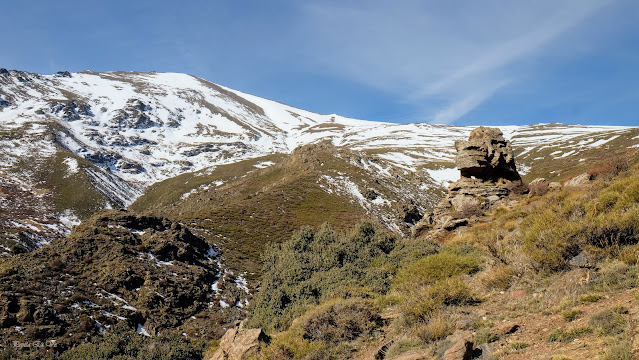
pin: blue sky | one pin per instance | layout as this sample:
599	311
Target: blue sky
462	62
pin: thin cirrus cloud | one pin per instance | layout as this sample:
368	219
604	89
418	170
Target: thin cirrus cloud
444	58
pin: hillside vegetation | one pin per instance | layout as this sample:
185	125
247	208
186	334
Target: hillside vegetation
554	275
243	208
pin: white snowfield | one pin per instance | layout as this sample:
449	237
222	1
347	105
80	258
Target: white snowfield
147	127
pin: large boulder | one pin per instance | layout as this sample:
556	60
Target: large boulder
238	344
488	176
462	348
486	155
580	180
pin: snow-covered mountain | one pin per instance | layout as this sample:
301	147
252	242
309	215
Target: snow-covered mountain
119	132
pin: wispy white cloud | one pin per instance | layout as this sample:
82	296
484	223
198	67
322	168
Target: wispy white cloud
460	53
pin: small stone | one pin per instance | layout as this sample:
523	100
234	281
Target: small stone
583	260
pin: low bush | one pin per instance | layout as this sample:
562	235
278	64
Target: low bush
437	328
608	322
290	345
124	343
621	351
518	345
571	315
590	298
498	278
485	335
550	233
340	321
569	335
427	285
315	266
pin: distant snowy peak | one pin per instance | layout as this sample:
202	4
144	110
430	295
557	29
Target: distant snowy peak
147	127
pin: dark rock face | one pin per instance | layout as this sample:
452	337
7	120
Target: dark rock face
486	155
411	213
71	110
134	116
65	74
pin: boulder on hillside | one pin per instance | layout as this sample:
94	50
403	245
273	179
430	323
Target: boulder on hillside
488	176
237	344
486	155
462	348
580	180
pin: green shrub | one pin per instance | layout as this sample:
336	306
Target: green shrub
518	345
485	335
431	269
314	266
340	321
622	351
124	343
590	298
402	345
291	346
569	335
564	223
608	322
570	315
437	328
427	285
616	275
550	233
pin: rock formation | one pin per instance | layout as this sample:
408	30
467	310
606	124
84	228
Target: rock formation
486	155
488	175
240	343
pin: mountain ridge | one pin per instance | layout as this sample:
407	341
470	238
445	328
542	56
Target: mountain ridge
113	134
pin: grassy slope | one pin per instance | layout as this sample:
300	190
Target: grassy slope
46	189
252	209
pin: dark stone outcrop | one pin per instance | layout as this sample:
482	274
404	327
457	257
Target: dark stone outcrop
65	74
71	110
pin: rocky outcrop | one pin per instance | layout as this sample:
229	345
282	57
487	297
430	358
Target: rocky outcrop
488	176
237	344
71	110
486	155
